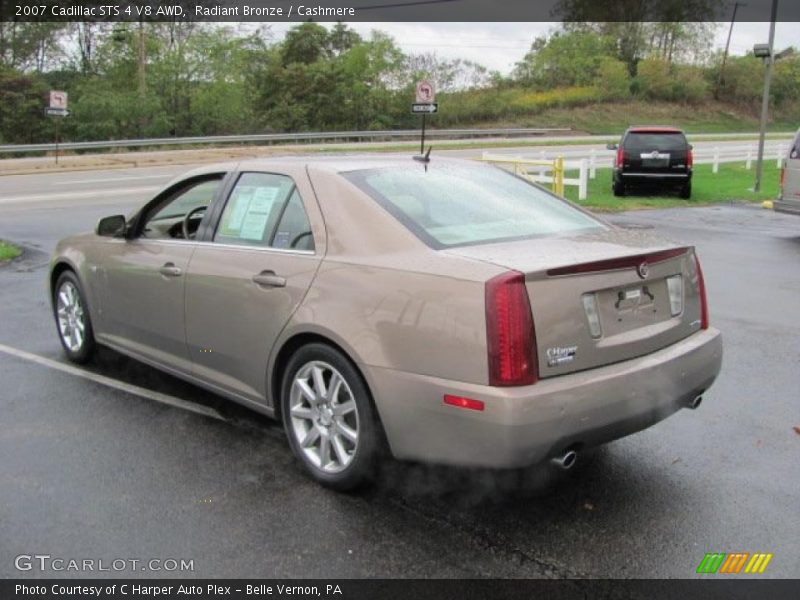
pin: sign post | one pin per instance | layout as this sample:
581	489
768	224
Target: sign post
425	105
57	107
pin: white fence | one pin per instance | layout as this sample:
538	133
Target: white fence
547	170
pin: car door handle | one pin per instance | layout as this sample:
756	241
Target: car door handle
269	279
170	270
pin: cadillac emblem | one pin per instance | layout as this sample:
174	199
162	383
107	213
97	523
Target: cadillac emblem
643	270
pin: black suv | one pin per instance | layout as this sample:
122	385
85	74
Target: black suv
653	156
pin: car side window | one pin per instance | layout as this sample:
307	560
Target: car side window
164	221
294	230
265	209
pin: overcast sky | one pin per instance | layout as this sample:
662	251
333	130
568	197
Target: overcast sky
499	45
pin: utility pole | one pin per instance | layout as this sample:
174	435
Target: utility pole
765	100
720	81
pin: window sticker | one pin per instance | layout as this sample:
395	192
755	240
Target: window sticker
255	218
240	204
281	240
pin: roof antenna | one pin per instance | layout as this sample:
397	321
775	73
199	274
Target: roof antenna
426	158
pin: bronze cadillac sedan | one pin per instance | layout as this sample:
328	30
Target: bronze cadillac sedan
450	312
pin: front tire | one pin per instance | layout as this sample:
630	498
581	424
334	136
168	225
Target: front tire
72	319
329	417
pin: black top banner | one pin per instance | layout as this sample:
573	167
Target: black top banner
395	10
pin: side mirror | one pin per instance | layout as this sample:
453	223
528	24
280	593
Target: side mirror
611	146
691	146
111	226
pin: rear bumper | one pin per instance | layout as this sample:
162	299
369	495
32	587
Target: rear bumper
525	425
787	206
665	178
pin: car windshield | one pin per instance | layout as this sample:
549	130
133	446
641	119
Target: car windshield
641	142
453	205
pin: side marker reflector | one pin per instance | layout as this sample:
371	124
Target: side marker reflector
461	402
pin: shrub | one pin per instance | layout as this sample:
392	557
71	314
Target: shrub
613	79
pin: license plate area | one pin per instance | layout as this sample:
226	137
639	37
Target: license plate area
655	159
632	306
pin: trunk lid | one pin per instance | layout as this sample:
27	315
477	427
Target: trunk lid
632	303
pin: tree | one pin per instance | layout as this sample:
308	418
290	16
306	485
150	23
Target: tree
446	75
305	44
613	79
664	28
564	59
29	46
21	102
342	38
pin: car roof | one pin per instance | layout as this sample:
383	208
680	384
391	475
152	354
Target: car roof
349	162
336	163
654	130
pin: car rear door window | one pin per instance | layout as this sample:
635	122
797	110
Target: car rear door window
663	142
265	209
293	230
452	205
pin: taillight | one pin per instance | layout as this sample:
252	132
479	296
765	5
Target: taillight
510	335
620	157
701	289
690	159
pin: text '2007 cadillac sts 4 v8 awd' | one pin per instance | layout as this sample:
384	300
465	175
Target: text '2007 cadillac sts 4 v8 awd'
449	310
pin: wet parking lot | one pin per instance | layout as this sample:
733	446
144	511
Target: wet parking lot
93	471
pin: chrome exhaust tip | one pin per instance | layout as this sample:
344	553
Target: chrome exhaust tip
566	461
696	402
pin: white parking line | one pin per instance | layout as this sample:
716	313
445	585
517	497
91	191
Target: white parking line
113	383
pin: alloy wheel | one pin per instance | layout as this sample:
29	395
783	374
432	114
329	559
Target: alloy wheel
71	316
324	417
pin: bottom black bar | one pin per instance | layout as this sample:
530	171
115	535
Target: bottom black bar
390	589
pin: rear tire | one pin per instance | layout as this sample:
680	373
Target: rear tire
619	189
329	418
686	191
72	318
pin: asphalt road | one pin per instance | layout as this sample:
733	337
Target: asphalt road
90	471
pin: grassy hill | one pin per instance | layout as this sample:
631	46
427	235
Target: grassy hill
614	117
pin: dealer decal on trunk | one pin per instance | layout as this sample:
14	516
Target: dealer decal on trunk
560	355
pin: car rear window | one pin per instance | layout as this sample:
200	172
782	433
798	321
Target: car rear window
664	142
455	205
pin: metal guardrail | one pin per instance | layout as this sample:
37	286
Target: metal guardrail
282	137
